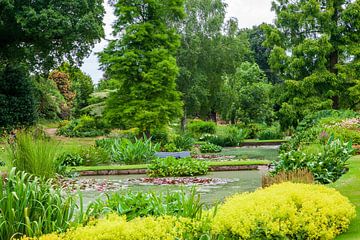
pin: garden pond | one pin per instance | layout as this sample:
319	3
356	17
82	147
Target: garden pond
213	187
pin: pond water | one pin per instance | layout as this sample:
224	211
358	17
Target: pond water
231	182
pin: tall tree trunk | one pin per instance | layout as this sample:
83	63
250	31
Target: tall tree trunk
213	116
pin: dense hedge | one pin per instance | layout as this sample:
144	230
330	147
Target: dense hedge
285	211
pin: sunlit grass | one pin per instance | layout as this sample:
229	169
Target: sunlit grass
349	185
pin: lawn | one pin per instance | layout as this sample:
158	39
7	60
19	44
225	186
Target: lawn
250	153
349	185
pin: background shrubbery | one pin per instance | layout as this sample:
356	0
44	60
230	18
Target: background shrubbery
85	126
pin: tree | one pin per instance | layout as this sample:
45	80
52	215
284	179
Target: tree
246	96
210	47
142	61
261	53
81	84
17	101
312	45
63	84
40	34
44	32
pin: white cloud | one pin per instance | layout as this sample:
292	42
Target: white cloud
248	12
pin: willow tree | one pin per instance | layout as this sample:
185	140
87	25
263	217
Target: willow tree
142	60
313	46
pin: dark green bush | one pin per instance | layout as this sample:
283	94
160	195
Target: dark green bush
17	100
210	148
327	165
160	136
172	167
199	127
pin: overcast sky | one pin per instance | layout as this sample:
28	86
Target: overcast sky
248	12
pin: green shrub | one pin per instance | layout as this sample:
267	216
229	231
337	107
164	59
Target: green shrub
17	100
230	137
37	156
141	204
141	151
160	136
199	127
284	211
270	133
170	147
172	167
32	207
93	156
327	166
184	142
85	126
70	159
210	148
252	129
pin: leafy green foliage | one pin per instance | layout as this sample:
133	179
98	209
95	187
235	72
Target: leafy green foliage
245	96
82	85
210	148
172	167
160	136
210	47
317	127
34	155
230	137
127	152
320	72
142	61
17	101
270	133
199	127
183	142
93	156
70	159
50	102
32	207
327	165
142	204
44	33
86	126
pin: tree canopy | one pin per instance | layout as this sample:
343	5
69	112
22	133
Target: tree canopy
313	51
43	33
142	60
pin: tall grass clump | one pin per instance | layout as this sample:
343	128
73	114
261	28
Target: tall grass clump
31	206
296	176
33	154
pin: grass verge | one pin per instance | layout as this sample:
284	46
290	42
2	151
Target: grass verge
349	186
